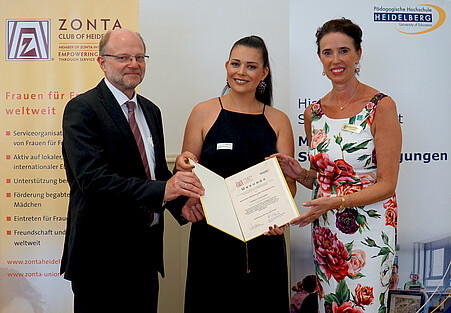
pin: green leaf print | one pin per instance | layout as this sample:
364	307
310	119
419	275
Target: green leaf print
363	124
326	128
349	247
315	117
315	188
365	119
385	238
323	146
338	139
382	309
331	298
370	242
357	276
352	120
385	258
352	147
383	251
363	157
326	220
342	292
361	220
320	273
372	213
348	146
334	190
382	298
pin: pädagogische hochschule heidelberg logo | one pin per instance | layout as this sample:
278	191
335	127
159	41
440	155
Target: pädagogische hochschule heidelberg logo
28	39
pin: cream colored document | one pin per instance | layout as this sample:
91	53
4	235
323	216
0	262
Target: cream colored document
246	204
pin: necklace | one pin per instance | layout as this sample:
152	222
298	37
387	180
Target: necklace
355	92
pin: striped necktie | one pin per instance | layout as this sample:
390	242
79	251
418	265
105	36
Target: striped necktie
137	135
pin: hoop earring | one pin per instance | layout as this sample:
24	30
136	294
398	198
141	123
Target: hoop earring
261	87
357	68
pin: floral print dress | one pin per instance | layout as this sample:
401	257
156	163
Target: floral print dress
354	248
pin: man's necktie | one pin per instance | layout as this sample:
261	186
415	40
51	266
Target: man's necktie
137	135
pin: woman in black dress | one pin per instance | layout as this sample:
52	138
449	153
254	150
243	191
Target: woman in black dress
229	134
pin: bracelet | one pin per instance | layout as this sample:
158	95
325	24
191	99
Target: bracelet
305	177
342	206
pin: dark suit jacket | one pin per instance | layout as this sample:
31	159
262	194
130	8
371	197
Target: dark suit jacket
110	196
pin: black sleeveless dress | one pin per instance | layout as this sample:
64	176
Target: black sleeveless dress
224	273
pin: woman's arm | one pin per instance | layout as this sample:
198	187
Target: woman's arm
291	167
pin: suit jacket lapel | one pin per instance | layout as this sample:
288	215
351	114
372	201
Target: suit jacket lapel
117	115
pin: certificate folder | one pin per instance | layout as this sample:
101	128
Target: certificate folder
246	204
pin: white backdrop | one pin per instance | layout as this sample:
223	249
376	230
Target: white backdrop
414	70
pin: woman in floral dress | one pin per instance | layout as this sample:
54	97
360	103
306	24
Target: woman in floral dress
355	144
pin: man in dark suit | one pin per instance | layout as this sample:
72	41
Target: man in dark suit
119	186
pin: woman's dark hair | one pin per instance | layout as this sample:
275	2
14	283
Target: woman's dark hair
257	43
342	25
309	283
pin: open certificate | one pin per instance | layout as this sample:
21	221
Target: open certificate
246	204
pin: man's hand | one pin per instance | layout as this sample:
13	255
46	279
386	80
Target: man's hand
183	184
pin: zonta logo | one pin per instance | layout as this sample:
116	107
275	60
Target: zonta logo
28	39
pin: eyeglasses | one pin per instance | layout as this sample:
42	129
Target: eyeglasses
127	58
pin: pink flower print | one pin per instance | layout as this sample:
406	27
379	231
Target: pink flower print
369	106
331	254
346	307
357	262
370	118
319	136
316	106
391	212
326	170
363	295
346	221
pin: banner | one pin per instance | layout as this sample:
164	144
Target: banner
404	56
49	56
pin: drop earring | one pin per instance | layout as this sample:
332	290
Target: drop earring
357	68
261	87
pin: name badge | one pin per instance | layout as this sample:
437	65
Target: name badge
352	128
224	146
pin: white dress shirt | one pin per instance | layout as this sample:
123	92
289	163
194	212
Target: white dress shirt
143	128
